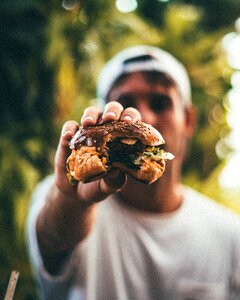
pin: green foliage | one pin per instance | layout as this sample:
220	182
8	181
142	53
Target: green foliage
26	115
201	53
217	14
50	60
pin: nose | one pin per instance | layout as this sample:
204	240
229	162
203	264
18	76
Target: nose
148	116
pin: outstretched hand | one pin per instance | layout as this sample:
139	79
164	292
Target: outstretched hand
115	179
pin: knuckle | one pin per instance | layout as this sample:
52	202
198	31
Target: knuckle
90	110
131	112
113	105
69	127
90	115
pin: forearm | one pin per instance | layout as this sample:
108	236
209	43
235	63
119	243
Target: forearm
68	215
62	224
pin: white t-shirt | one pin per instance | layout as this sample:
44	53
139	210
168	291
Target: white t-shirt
193	253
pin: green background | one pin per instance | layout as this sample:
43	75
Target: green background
50	59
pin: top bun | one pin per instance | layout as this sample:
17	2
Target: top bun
99	134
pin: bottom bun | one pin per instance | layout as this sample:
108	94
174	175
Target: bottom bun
149	170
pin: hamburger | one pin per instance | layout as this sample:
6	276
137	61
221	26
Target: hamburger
134	147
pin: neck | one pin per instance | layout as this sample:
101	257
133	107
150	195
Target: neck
162	196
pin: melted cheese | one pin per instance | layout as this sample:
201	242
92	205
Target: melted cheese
129	141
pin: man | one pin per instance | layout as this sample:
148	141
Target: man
117	238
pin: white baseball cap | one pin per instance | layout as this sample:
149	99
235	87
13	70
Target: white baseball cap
143	58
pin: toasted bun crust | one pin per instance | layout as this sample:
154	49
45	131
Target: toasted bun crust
87	161
100	134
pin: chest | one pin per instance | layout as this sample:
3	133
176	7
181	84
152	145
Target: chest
130	261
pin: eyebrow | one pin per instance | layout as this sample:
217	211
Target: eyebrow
130	93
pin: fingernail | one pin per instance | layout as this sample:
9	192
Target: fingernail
66	133
114	174
88	118
109	114
127	118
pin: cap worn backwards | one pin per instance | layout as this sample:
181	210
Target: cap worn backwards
144	58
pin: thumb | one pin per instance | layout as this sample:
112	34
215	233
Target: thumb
99	190
113	181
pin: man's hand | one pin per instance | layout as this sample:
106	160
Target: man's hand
112	181
69	212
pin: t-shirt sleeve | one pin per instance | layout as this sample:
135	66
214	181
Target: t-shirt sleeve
50	287
234	286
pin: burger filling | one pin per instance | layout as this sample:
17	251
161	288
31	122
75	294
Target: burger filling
132	152
122	151
155	154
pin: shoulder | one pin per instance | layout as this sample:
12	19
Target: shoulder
44	185
211	211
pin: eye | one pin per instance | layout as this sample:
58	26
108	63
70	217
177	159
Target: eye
127	101
160	102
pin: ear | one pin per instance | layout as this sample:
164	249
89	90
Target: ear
190	120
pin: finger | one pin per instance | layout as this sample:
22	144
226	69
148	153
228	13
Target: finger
112	182
99	190
131	114
112	111
63	150
90	116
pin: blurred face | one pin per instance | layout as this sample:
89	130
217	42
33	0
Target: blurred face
159	106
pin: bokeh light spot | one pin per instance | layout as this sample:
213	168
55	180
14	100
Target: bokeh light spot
126	6
70	4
